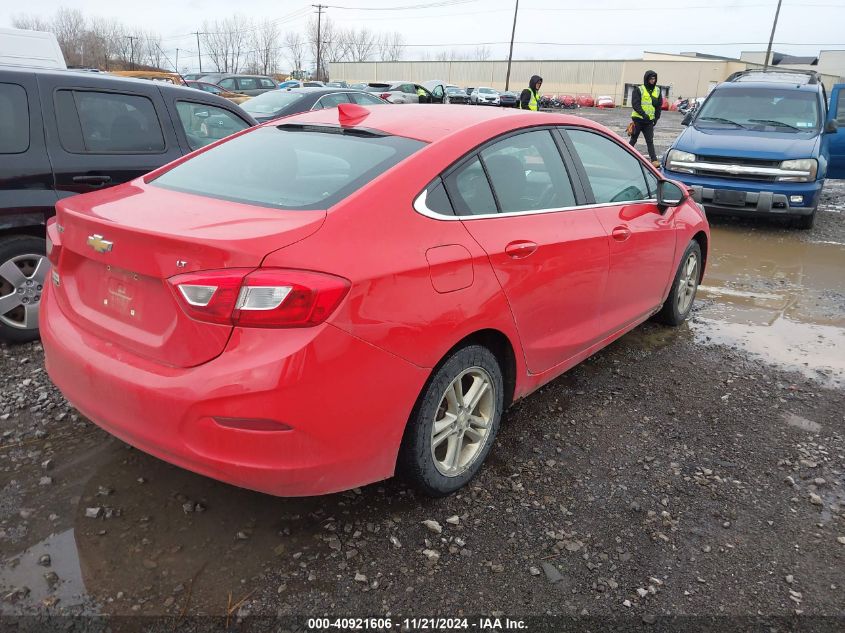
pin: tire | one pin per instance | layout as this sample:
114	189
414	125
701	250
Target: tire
677	306
441	469
24	271
805	222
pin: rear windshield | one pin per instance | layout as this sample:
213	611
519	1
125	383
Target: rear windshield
289	167
271	102
770	109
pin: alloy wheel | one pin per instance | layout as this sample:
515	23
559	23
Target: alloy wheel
22	281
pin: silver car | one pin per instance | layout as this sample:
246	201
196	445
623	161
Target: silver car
406	92
484	96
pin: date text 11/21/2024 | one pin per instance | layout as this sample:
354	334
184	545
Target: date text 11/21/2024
482	624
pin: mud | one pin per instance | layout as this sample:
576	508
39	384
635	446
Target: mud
703	465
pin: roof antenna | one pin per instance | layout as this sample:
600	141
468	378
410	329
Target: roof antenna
351	114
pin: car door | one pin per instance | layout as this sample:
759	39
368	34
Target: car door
836	140
106	132
249	86
641	236
551	257
199	123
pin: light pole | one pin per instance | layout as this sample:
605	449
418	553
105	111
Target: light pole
771	38
510	52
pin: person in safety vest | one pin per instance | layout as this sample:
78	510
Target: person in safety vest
530	97
647	103
423	95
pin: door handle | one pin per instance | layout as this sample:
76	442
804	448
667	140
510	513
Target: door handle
92	180
520	250
621	233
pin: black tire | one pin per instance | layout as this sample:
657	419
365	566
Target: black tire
805	222
672	313
11	249
417	456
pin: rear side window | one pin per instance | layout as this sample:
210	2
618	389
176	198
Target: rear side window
362	98
204	124
289	167
330	101
840	108
614	174
248	83
14	119
470	190
107	123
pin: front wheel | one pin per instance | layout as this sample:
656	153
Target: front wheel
23	275
805	222
454	423
678	304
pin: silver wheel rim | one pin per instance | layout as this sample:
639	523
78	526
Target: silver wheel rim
22	281
688	283
462	422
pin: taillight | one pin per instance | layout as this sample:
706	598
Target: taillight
54	241
267	297
385	95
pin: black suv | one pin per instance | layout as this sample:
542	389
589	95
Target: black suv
64	133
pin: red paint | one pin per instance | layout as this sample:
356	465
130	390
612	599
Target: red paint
313	397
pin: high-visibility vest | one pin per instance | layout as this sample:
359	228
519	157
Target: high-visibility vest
533	103
647	100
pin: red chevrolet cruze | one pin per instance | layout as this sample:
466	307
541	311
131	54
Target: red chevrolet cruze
311	304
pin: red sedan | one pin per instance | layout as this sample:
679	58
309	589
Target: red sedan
311	304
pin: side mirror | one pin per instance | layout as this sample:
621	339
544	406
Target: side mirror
669	194
202	114
831	127
687	119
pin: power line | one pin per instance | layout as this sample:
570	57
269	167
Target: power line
407	7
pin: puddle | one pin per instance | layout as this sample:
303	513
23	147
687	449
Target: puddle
779	298
802	423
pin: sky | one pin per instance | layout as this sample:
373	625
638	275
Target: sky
545	29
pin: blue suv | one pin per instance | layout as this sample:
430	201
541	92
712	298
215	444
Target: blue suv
762	143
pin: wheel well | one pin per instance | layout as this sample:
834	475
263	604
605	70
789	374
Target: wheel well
36	230
701	238
501	347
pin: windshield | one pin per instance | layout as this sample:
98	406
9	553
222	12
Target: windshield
271	102
486	91
783	110
289	167
454	91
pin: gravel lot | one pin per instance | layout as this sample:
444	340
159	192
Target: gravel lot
690	472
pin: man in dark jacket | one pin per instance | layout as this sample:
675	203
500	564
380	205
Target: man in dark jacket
647	103
530	97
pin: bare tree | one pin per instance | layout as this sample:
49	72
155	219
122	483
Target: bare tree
152	51
30	22
390	46
101	42
329	43
69	27
294	50
362	44
482	53
225	42
265	41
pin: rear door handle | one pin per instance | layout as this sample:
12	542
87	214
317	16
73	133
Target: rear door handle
92	180
621	233
521	249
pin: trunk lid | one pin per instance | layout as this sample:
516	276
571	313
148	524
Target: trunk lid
121	245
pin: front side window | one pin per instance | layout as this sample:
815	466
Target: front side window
331	101
248	83
267	83
470	190
527	173
107	123
14	119
204	124
227	84
289	167
614	174
363	98
784	110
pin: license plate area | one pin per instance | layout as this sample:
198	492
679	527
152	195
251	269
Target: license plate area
729	197
120	292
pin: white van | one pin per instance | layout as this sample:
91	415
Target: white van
33	49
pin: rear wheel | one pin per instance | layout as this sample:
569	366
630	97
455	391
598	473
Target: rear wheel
678	304
454	423
23	275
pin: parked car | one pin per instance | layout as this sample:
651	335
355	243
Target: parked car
337	84
405	92
484	96
251	85
508	99
456	95
763	143
291	83
358	86
605	102
214	89
279	103
264	298
65	132
585	101
151	75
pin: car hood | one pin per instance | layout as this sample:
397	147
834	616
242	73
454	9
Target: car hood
747	143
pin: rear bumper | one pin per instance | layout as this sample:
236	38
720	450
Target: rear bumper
345	403
760	198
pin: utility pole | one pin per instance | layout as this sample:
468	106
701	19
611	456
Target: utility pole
199	51
132	39
510	52
771	38
177	61
319	8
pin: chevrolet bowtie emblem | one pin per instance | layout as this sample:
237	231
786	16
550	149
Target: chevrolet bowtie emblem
99	244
